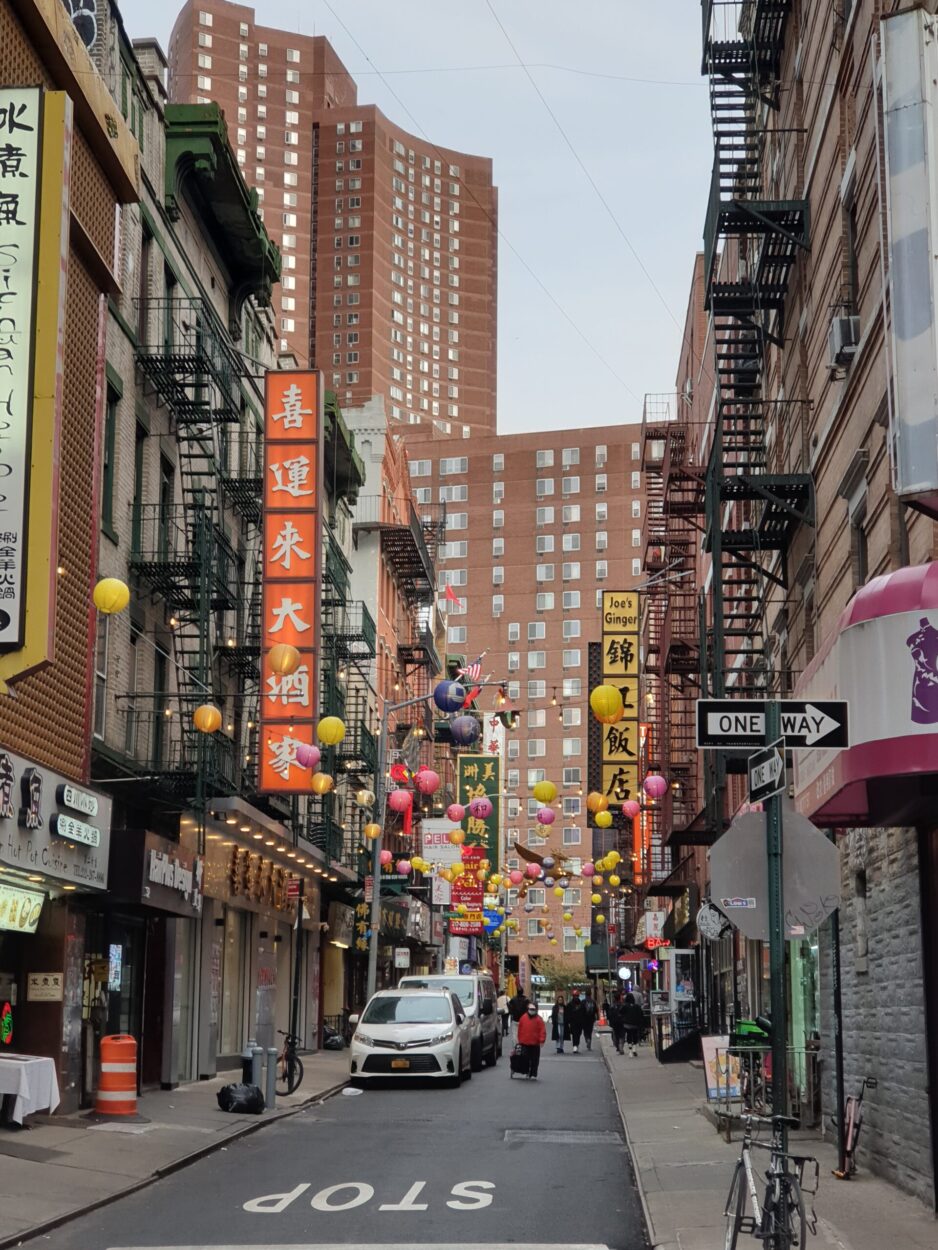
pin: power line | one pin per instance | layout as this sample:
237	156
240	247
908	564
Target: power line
501	234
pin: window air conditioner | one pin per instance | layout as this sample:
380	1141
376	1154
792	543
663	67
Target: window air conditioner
842	339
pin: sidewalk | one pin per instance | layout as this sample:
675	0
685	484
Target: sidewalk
62	1166
684	1166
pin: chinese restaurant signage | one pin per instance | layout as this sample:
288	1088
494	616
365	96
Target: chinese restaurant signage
20	909
467	890
173	877
480	776
620	668
291	556
20	168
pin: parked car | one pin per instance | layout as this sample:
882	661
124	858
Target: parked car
408	1033
476	993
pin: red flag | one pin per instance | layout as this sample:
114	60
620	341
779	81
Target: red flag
472	696
451	596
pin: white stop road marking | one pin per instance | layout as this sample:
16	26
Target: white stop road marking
464	1196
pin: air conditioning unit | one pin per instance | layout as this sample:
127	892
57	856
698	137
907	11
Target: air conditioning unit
842	339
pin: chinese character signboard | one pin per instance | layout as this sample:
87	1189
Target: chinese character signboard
292	473
469	892
620	668
480	776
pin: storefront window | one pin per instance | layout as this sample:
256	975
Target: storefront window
232	994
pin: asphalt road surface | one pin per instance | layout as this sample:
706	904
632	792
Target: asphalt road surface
496	1162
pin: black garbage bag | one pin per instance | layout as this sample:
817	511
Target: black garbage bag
331	1040
243	1099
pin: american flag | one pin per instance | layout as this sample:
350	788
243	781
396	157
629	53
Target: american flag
472	671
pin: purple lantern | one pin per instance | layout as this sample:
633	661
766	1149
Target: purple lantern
455	812
449	696
546	815
655	786
307	756
549	862
464	730
480	808
400	800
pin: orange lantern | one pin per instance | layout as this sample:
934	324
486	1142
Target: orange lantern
283	659
207	718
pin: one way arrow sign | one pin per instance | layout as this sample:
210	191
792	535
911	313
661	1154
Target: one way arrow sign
767	772
729	723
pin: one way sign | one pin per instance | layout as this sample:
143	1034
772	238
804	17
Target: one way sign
728	723
767	772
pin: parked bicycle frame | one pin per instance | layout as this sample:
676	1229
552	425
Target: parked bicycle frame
853	1122
778	1219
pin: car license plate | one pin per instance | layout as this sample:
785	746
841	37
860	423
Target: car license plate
400	1063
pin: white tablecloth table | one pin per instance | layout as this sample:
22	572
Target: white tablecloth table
32	1081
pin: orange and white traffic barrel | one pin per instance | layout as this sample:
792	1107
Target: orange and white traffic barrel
117	1084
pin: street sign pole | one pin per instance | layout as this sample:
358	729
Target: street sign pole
773	828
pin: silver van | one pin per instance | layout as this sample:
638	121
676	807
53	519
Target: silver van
476	992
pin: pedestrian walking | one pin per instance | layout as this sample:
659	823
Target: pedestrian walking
575	1019
532	1034
634	1020
559	1026
616	1022
501	1005
590	1014
517	1006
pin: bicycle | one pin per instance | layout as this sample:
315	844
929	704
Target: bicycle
289	1065
780	1220
853	1122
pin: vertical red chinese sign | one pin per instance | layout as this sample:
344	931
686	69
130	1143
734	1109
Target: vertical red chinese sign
292	554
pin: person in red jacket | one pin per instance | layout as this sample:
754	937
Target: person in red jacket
532	1034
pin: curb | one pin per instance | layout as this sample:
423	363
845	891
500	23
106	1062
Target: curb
38	1230
636	1171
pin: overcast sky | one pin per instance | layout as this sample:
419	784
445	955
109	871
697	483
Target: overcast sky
622	78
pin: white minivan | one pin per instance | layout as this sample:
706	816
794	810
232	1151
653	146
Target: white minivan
476	992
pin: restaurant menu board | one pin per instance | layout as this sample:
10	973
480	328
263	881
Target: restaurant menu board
20	909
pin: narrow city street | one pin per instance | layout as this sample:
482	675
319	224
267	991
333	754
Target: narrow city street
493	1162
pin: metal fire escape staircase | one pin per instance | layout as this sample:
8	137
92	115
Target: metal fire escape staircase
751	244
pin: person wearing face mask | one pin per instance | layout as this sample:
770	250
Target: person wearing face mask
532	1034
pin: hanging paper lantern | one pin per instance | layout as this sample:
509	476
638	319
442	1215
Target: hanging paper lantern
606	702
481	808
330	731
458	870
404	867
455	812
548	880
283	659
568	915
631	809
597	879
596	899
586	943
457	836
516	876
614	858
553	941
372	831
549	862
207	718
427	781
577	932
596	802
546	815
600	919
603	820
385	858
533	871
321	783
449	696
558	891
365	798
545	792
307	755
529	907
615	881
400	800
111	595
588	869
655	786
464	730
496	878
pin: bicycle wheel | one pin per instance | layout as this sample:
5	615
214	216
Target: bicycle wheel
289	1074
797	1220
784	1226
735	1202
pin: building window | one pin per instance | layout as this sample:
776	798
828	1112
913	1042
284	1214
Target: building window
544	572
544	487
602	455
571	514
572	777
602	540
602	483
456	464
602	570
544	459
636	538
636	479
570	456
498	463
498	605
498	492
108	456
537	689
498	547
570	485
537	631
537	749
571	837
456	633
544	516
636	507
498	519
571	571
572	716
571	629
514	661
543	544
571	658
498	574
205	19
457	520
536	660
572	747
859	551
421	468
544	602
571	599
100	676
572	804
637	567
537	719
534	928
514	631
572	687
571	542
636	451
602	513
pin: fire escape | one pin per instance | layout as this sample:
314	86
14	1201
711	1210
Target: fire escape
751	244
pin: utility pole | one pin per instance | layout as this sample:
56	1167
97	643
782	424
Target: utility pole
773	830
298	951
838	1035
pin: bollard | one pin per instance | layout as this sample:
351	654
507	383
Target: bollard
257	1058
273	1054
247	1062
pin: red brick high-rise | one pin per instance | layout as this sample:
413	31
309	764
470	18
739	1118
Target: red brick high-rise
389	242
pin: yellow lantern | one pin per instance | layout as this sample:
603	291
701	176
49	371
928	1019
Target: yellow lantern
496	879
458	870
480	875
596	802
283	659
461	908
606	702
491	889
553	941
596	899
321	783
111	595
545	792
457	836
446	874
596	880
586	943
558	891
614	880
568	915
603	819
600	919
330	731
577	932
614	858
207	718
365	798
372	831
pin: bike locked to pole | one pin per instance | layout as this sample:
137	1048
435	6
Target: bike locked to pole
778	1218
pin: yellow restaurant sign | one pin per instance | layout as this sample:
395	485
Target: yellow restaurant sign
620	668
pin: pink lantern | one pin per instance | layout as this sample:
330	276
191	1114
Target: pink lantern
533	871
480	808
630	809
516	876
386	858
307	756
587	870
655	786
404	867
427	781
546	815
400	800
455	812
